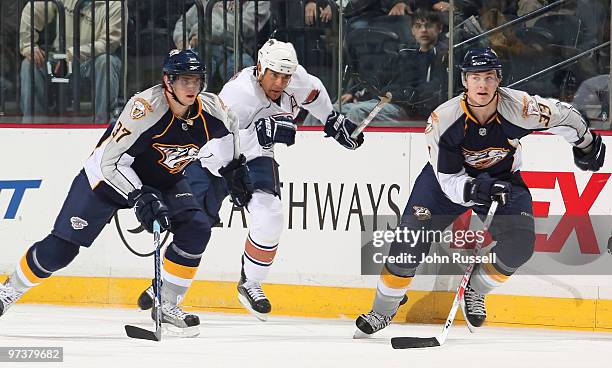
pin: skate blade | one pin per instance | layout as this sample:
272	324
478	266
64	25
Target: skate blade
361	335
244	301
189	332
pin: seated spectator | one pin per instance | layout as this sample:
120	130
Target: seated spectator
224	34
418	80
356	8
592	97
528	6
310	12
8	46
504	42
33	53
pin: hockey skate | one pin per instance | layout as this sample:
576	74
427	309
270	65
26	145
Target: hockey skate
253	298
473	307
177	322
8	296
372	322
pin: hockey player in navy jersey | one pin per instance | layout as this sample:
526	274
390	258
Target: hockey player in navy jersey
139	163
474	159
266	98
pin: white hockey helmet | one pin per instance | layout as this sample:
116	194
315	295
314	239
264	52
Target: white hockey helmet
277	56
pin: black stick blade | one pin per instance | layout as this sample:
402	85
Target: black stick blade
414	342
140	333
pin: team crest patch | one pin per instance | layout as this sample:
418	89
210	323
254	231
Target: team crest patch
434	117
174	157
421	213
485	158
140	108
530	107
78	223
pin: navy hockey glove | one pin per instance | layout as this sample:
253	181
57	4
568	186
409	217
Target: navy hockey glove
148	206
275	129
236	175
594	159
485	189
341	128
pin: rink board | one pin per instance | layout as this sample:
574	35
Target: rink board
317	269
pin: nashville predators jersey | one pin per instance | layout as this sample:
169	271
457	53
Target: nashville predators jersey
150	145
460	148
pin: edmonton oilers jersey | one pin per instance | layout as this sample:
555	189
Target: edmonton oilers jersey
461	148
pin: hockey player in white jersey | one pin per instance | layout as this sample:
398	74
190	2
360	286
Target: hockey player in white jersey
474	159
266	98
139	163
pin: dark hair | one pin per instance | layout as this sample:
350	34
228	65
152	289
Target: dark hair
426	15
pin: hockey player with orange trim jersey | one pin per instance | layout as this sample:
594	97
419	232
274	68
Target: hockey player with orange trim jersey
474	159
266	98
139	163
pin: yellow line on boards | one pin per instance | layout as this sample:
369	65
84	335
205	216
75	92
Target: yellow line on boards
331	302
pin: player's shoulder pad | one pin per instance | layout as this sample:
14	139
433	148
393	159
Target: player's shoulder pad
147	106
520	107
304	86
301	79
445	115
213	105
242	93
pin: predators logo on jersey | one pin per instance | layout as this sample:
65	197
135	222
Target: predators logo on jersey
433	119
174	157
140	108
485	158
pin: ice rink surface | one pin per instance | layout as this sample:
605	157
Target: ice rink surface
95	337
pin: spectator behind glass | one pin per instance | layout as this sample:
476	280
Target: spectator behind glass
8	46
593	97
102	105
505	42
417	82
356	8
221	35
310	12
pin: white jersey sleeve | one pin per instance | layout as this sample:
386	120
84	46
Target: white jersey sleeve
218	152
111	161
311	94
444	154
544	114
246	98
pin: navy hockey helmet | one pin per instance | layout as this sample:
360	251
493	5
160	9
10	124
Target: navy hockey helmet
480	60
183	62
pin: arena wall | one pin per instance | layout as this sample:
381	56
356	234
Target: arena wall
317	269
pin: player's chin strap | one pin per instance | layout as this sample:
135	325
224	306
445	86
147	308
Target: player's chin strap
491	100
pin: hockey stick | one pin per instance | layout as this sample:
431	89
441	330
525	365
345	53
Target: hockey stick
141	333
383	101
426	342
